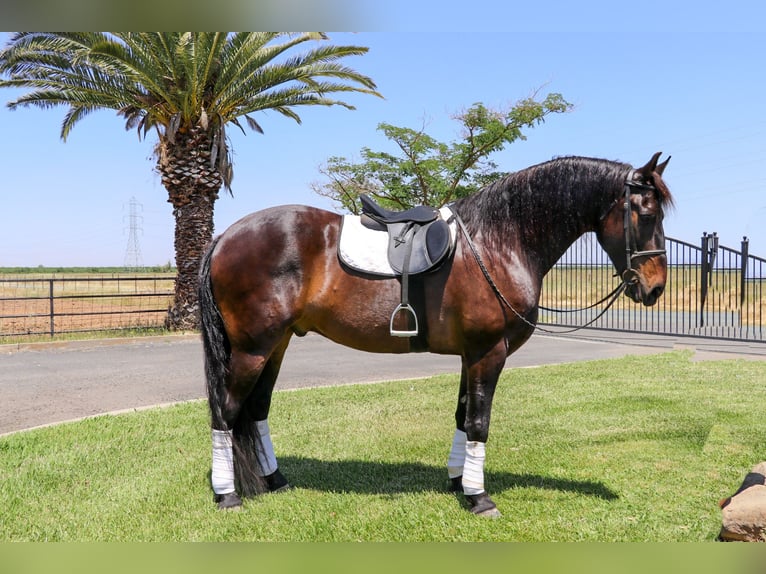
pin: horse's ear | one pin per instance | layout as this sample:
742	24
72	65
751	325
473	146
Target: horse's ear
661	167
651	165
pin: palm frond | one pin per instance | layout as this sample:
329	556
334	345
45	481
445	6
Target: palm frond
253	124
176	81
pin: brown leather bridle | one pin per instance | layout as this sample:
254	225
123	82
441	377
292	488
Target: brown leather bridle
630	275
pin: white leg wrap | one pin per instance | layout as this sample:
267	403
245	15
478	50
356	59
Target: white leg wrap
222	475
473	472
265	450
457	455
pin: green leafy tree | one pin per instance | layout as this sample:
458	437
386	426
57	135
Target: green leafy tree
429	172
187	88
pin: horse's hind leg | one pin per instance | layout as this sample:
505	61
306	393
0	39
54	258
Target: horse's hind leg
255	416
243	454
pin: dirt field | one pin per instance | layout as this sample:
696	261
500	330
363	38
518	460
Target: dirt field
28	318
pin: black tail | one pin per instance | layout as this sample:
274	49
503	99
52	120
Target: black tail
217	350
215	342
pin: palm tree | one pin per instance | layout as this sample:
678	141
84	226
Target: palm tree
187	87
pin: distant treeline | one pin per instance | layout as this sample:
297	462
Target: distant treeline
43	269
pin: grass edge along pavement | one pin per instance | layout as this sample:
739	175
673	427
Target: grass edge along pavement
631	449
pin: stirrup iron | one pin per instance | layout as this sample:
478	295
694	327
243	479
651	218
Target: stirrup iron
403	308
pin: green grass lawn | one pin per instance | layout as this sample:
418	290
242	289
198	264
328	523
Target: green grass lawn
633	449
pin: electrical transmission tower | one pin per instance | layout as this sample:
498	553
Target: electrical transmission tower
133	257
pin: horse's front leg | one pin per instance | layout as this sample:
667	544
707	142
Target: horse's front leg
466	461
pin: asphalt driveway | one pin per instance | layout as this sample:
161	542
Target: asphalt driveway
42	384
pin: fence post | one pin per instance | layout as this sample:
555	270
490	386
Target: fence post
50	305
703	276
743	272
713	253
709	254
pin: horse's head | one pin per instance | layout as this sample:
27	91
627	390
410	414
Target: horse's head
631	232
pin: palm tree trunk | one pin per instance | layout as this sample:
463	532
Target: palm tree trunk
193	233
192	190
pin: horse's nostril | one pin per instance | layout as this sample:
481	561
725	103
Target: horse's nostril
653	296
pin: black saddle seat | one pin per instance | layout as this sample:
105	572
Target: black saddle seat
420	214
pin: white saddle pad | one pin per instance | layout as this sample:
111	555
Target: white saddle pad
366	250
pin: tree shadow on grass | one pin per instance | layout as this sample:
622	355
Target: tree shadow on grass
371	477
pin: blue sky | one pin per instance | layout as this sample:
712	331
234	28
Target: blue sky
680	89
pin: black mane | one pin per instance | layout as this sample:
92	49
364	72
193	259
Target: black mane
567	193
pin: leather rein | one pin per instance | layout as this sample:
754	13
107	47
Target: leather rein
629	277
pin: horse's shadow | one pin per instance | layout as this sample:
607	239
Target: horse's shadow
374	477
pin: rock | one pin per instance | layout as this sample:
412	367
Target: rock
744	513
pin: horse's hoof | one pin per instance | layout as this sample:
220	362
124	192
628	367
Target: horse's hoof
456	484
276	482
228	501
482	505
489	513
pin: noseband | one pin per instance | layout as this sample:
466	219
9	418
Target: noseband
630	276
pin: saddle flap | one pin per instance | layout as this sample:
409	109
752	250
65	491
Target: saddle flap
429	244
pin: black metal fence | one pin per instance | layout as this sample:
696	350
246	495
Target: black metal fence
712	291
32	306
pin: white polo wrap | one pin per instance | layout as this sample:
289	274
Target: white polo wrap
222	472
457	455
265	449
473	471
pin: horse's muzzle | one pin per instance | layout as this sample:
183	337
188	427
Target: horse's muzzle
639	292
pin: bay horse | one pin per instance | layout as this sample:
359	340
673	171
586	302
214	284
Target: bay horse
276	273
